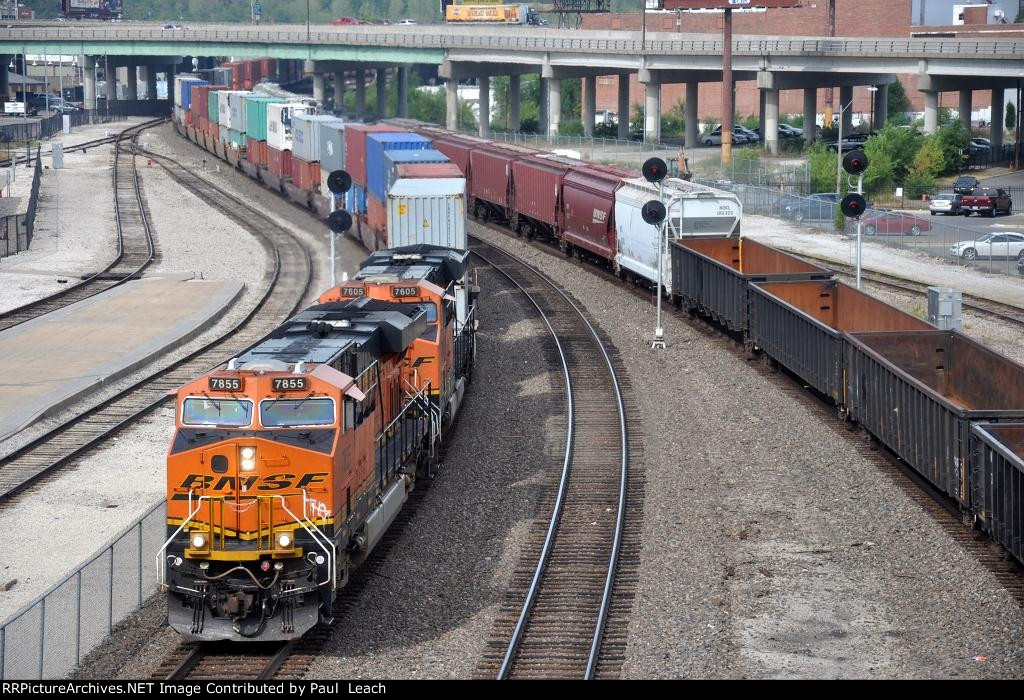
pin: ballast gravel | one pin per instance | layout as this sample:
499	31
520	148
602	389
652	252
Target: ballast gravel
772	545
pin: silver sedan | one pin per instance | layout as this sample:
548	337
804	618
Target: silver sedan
947	203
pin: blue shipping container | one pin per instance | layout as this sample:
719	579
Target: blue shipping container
355	199
377	144
380	189
186	92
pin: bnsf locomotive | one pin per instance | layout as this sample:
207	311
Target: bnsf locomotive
290	461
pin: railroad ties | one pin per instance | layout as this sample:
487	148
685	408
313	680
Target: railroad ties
552	619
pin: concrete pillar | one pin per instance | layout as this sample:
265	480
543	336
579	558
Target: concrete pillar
881	107
589	104
339	91
931	111
360	92
132	84
89	82
150	82
514	103
692	116
452	110
382	92
554	106
403	91
5	84
998	117
652	112
770	132
965	108
760	117
319	91
624	106
485	106
542	108
810	114
846	98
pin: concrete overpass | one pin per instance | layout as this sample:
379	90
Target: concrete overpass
805	63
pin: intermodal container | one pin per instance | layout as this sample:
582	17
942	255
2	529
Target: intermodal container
181	87
236	139
305	175
800	325
918	392
997	483
212	105
588	219
306	135
380	180
224	108
279	162
279	122
256	116
355	199
376	214
427	211
252	153
377	146
224	134
441	171
186	92
355	148
236	103
268	68
537	188
712	275
332	145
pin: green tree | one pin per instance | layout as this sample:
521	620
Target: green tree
894	148
898	104
954	142
822	162
1011	116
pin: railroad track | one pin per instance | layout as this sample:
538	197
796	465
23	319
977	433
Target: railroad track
136	247
84	146
228	660
552	621
285	289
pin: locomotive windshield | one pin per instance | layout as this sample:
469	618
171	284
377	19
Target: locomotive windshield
231	413
291	413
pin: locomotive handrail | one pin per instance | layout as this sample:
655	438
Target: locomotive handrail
161	576
313	531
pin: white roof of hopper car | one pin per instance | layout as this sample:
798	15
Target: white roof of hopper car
427	187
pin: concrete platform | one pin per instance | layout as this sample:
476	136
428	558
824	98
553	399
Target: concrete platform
53	360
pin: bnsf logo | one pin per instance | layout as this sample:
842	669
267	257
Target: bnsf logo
273	482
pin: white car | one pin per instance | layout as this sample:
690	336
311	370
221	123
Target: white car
405	22
994	245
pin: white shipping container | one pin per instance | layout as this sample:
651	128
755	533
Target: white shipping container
178	79
236	101
224	107
693	210
224	135
306	136
427	211
279	123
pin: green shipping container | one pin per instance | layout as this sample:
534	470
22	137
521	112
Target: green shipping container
256	116
213	109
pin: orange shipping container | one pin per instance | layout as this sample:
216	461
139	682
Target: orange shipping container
305	175
376	214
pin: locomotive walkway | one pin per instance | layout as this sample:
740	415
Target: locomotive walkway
53	360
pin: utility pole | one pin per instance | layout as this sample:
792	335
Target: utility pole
728	94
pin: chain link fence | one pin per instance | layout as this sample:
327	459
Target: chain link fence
16	229
48	637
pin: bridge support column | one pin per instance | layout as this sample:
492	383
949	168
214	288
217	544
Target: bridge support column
965	108
150	82
514	103
810	114
132	84
360	92
589	104
89	82
770	132
760	117
846	102
382	92
318	88
338	82
624	107
881	114
542	106
484	81
403	92
931	111
998	116
554	90
692	115
452	111
5	83
652	112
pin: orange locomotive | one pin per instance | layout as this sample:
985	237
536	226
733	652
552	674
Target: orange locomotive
289	463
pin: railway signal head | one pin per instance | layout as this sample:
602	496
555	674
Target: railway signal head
853	205
855	162
653	212
339	182
339	221
654	170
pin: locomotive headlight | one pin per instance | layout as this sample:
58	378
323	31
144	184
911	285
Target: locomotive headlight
248	465
284	540
248	452
198	541
248	455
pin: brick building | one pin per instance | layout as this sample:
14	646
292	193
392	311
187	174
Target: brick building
854	18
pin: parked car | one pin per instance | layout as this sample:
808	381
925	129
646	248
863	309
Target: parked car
987	200
788	132
740	135
996	244
965	184
172	26
982	142
946	203
405	22
1020	266
820	206
848	145
893	222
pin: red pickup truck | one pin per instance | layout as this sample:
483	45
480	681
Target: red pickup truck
986	200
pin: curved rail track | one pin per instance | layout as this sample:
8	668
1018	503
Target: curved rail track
552	623
286	288
136	247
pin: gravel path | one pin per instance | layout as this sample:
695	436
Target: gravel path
772	547
433	599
